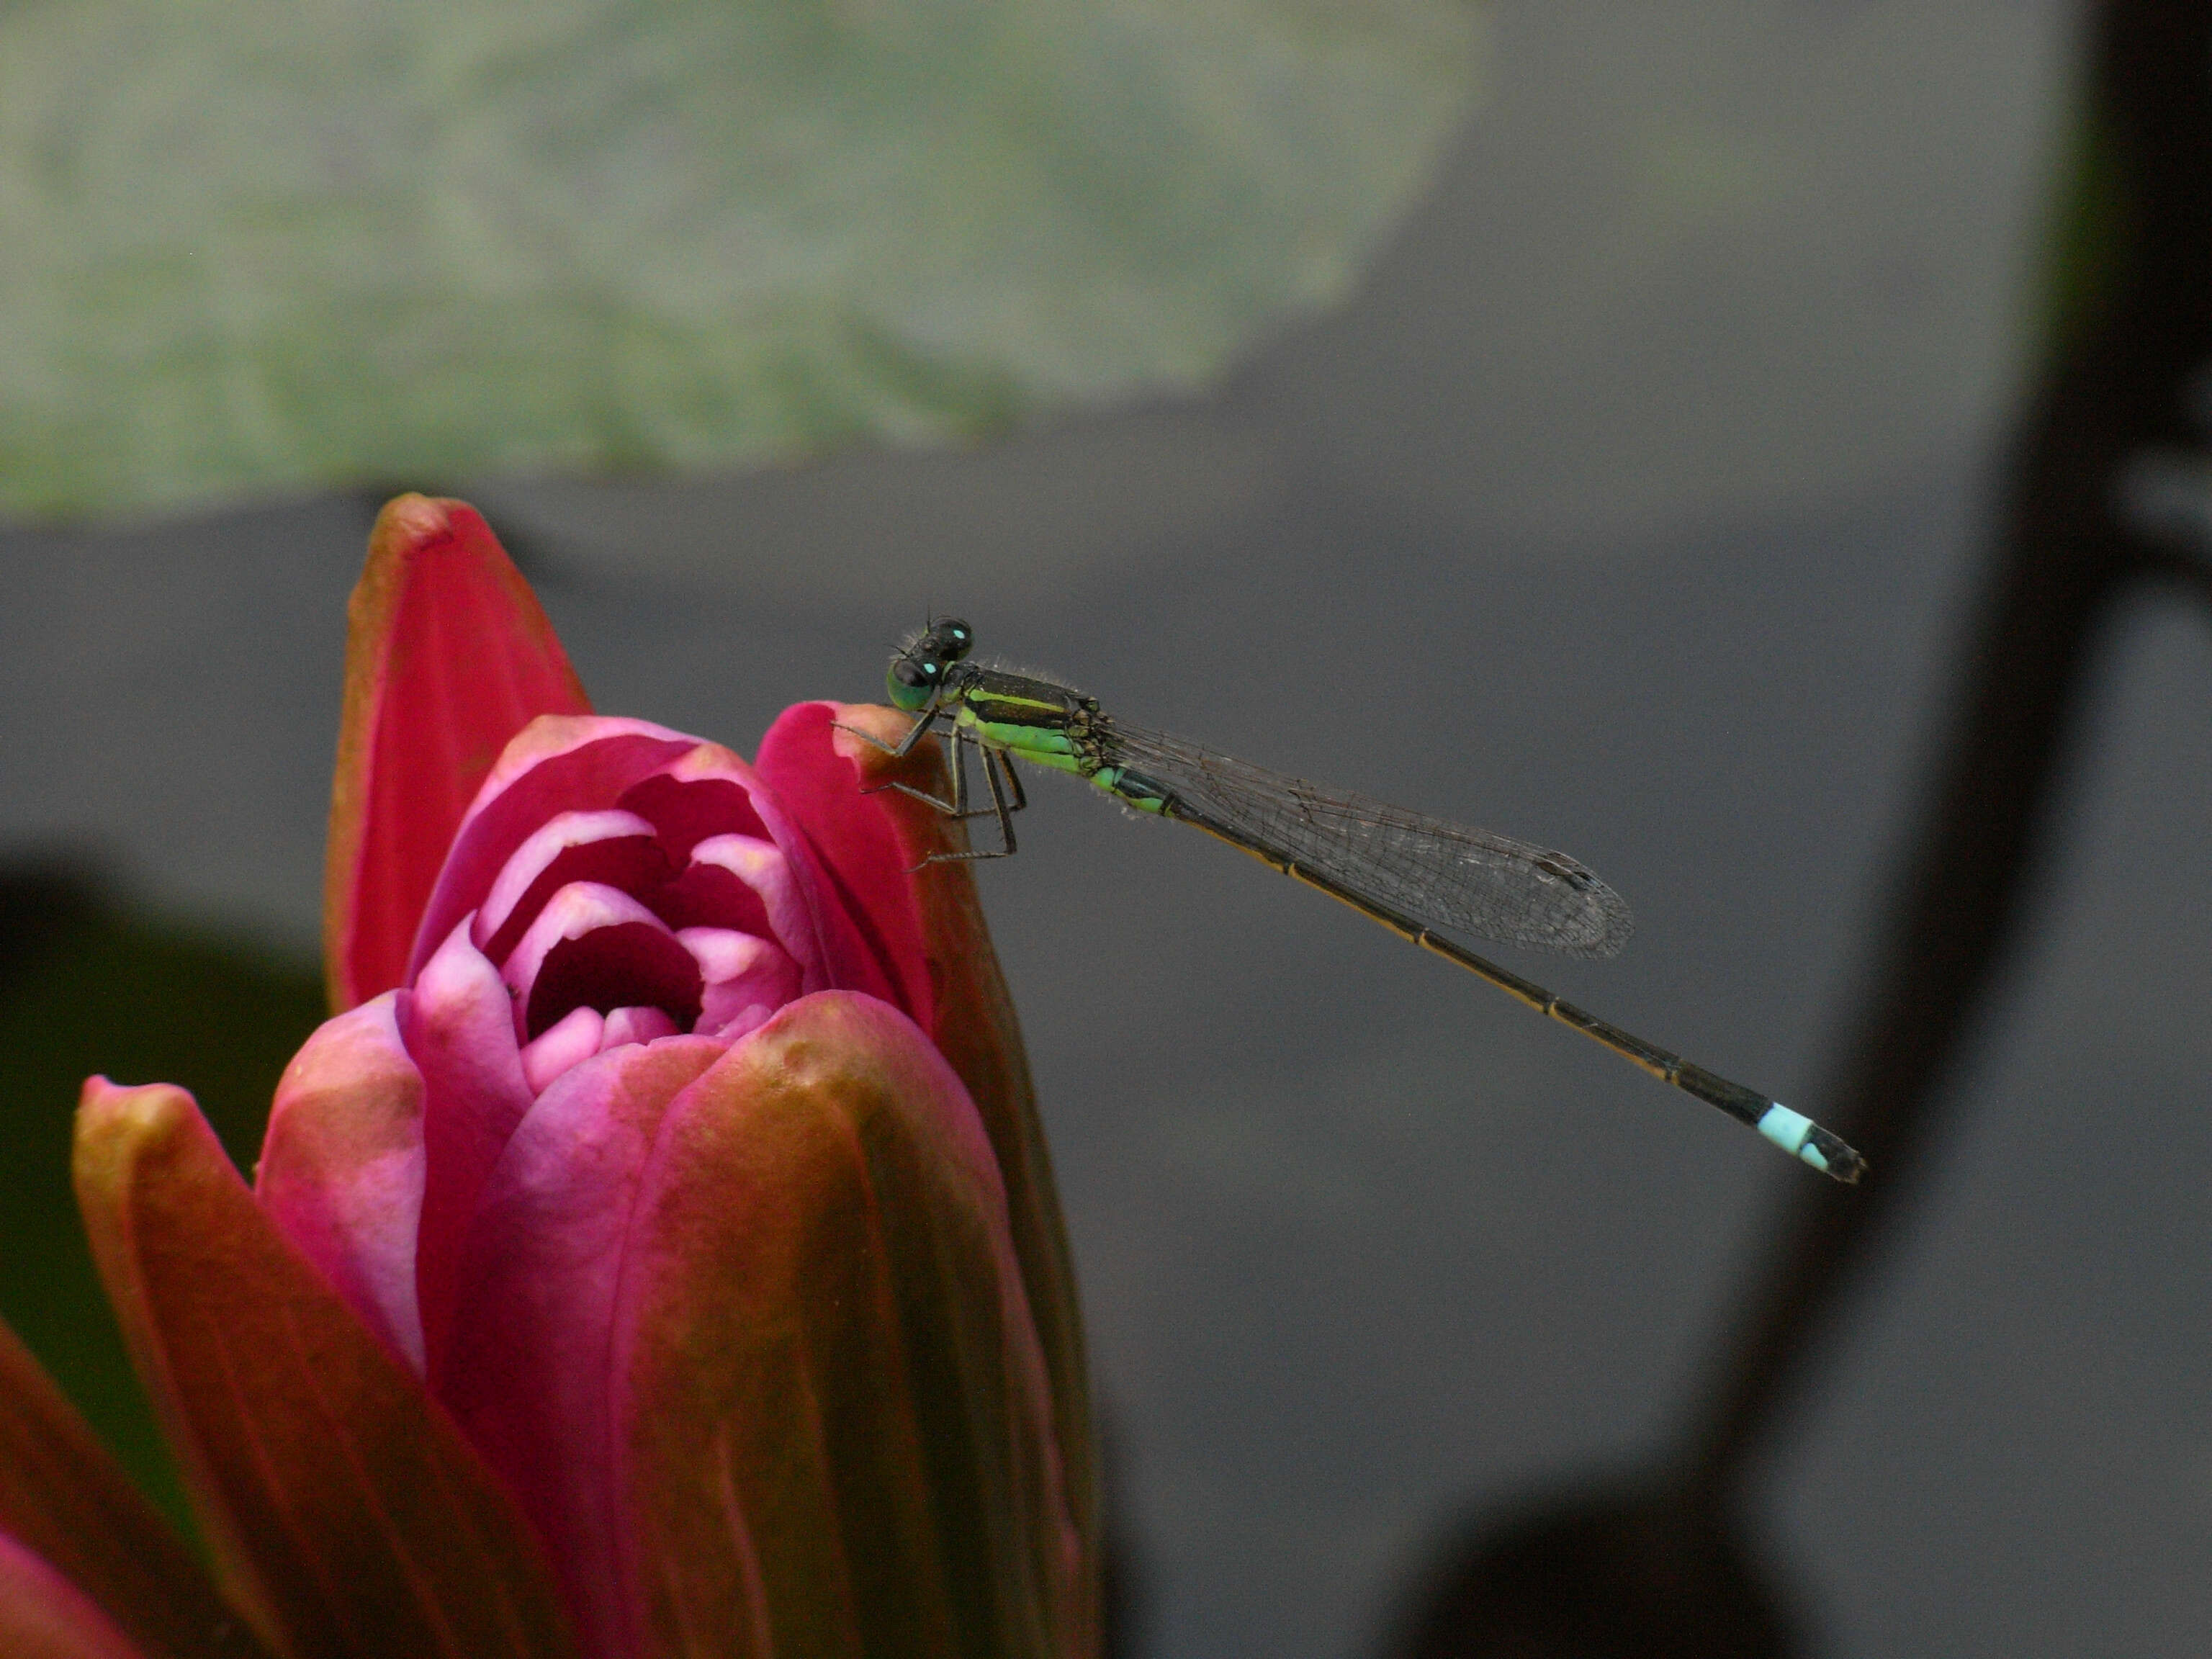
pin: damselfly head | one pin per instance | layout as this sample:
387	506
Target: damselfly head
950	638
919	665
915	674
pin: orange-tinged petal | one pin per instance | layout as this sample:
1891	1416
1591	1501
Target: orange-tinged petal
343	1508
44	1616
63	1497
976	1029
837	1434
447	656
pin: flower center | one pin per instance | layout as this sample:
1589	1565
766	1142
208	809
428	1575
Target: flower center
672	911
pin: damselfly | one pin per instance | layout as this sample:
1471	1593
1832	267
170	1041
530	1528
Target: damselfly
1414	874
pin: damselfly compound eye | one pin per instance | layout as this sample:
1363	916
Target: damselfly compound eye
950	638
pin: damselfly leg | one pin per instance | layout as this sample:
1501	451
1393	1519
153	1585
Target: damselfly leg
1003	783
1000	778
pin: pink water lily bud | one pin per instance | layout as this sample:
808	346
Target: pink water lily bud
630	941
656	1255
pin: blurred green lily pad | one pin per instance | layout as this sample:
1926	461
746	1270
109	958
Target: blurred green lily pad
254	246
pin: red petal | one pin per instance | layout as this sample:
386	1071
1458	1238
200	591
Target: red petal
447	656
617	848
44	1616
341	1502
834	1424
854	841
975	1030
62	1496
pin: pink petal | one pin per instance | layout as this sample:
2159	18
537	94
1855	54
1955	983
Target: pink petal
627	1025
834	1430
341	1171
460	1027
742	971
447	657
828	944
760	868
592	944
708	792
553	766
44	1616
526	1369
852	840
572	1039
712	896
616	848
714	810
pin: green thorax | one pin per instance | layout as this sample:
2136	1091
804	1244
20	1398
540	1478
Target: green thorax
1038	720
1046	723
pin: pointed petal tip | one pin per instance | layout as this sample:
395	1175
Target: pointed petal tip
852	725
448	656
806	760
114	1119
415	520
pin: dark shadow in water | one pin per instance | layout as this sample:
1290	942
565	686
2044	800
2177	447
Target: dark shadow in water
1610	1574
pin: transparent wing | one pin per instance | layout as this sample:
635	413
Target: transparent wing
1442	875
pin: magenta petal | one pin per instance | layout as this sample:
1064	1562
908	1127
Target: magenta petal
718	801
743	972
597	945
851	837
525	1370
341	1171
591	955
615	848
572	1039
460	1027
822	937
758	867
709	896
44	1616
555	765
627	1025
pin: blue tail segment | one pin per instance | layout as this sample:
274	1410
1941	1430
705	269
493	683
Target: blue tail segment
1801	1138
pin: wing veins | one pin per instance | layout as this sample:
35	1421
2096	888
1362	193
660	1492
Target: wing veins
1448	876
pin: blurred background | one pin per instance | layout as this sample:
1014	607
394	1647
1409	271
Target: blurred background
1608	424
